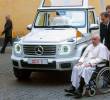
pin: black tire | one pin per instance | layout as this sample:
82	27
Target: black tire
67	76
21	74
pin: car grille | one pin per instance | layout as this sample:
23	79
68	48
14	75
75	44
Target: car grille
39	50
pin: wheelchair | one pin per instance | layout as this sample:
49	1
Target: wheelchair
100	80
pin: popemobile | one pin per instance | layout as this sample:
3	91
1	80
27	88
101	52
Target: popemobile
58	36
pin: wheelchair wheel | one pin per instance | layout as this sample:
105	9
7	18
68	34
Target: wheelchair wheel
103	80
91	91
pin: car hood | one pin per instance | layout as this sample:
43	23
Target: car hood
49	35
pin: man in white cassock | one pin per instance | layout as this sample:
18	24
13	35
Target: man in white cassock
82	71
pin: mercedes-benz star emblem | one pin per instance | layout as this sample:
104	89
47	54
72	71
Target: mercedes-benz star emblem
39	50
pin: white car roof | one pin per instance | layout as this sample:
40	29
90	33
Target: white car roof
65	4
67	8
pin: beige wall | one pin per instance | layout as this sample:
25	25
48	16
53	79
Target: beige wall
96	4
93	3
22	12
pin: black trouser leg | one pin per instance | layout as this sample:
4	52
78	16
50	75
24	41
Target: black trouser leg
78	93
4	45
81	86
11	42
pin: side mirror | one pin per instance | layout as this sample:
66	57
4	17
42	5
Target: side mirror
93	27
29	27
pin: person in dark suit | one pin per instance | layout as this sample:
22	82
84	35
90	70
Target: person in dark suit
105	29
108	10
7	32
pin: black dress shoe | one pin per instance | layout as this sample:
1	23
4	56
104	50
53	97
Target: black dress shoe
78	94
71	90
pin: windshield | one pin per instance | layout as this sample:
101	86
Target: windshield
60	18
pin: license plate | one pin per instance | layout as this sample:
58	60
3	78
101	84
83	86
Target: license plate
37	61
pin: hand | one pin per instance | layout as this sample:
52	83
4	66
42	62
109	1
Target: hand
79	63
88	65
2	33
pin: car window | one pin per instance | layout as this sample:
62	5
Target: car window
91	17
57	3
40	19
59	21
77	18
61	18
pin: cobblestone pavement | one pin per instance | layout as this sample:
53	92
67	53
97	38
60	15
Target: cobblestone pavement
41	86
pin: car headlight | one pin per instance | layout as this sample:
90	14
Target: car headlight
64	49
17	49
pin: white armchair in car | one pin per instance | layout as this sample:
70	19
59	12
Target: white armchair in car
59	21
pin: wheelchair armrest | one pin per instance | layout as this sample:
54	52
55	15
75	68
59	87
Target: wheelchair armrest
103	63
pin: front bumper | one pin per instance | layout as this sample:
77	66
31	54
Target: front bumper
52	63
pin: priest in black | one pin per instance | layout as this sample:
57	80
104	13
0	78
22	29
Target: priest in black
7	32
105	29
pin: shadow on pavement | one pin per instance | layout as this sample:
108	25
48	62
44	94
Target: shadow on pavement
47	78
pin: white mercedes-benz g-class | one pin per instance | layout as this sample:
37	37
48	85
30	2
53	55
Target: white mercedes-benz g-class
57	38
